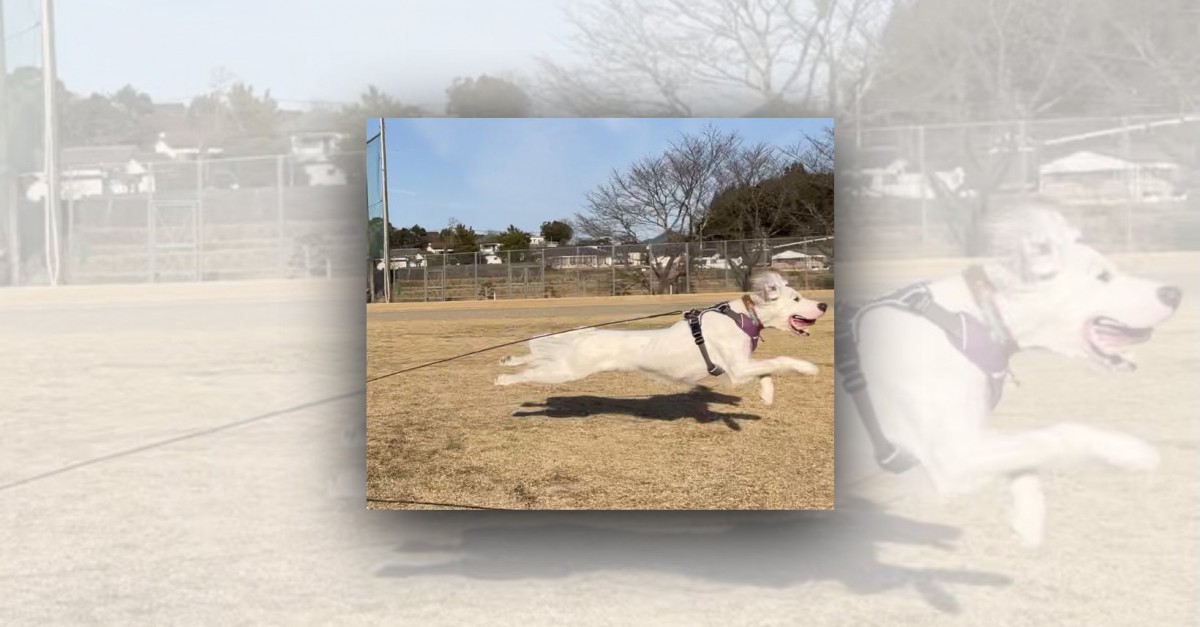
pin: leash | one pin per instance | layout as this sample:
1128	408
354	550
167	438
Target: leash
522	341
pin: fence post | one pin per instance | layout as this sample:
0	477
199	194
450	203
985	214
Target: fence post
151	243
1133	184
371	277
725	256
198	219
687	267
279	208
425	280
476	270
612	262
924	183
652	263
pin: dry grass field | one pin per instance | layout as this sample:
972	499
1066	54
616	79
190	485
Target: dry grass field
446	435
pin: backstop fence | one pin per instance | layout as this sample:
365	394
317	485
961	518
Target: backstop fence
203	220
602	270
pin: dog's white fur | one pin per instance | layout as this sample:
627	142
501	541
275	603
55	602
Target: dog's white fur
671	353
933	402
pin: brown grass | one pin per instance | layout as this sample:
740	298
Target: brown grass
446	434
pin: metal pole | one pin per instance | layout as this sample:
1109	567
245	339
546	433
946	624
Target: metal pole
8	195
476	285
279	217
387	224
50	140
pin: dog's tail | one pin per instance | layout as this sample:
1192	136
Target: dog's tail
552	348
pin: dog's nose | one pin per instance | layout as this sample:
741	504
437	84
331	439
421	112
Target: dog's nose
1170	296
822	306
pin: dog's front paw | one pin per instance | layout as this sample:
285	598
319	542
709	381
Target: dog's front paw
806	367
766	387
1130	453
504	379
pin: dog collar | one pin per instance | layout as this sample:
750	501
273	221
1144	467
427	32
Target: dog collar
746	300
984	293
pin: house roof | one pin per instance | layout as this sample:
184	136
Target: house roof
1089	161
405	252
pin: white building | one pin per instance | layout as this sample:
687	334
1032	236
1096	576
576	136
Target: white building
1092	177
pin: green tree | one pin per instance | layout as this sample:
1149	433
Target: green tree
234	115
487	97
514	239
557	231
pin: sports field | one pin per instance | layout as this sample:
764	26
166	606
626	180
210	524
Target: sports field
446	435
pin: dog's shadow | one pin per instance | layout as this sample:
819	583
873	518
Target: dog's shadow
782	551
693	404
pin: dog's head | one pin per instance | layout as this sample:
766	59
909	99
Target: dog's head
782	307
1062	295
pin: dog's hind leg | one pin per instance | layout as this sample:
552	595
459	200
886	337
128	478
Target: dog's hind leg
554	373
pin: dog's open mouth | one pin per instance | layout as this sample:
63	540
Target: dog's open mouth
798	323
1109	339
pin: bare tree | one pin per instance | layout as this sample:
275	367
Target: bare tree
665	196
643	57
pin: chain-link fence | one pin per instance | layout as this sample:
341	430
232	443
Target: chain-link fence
602	270
917	191
212	219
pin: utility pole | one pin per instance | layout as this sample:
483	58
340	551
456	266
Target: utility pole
8	196
50	140
387	224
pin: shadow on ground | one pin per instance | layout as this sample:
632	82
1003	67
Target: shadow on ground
683	405
787	549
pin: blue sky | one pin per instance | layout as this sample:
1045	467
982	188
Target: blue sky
489	173
302	50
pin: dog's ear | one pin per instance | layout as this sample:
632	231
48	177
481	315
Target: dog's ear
767	285
1034	242
1043	249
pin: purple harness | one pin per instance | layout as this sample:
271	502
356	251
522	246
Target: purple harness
746	323
970	335
749	328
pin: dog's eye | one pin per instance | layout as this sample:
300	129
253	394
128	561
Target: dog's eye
1105	277
797	299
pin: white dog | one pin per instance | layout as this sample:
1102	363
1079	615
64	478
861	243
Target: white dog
926	365
714	342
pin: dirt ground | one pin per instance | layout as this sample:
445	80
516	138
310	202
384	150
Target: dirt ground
446	435
168	454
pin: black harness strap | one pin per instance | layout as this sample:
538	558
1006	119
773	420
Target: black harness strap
693	320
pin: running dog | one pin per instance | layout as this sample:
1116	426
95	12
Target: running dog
926	365
718	341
